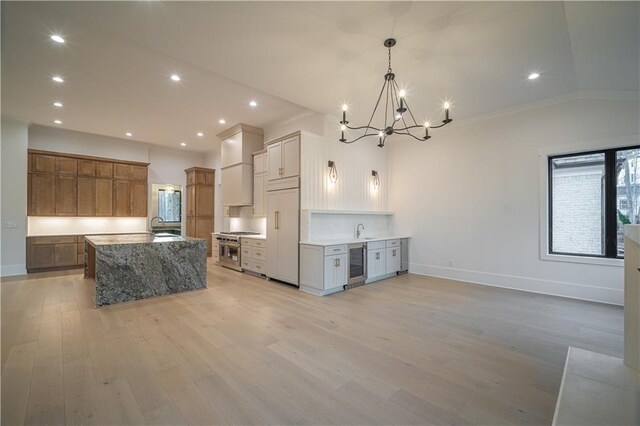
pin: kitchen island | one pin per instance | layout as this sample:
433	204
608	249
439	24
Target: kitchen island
138	266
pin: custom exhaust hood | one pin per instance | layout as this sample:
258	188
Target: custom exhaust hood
238	144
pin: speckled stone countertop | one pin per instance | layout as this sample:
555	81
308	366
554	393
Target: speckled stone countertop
137	266
107	240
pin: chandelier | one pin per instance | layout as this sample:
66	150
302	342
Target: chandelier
398	118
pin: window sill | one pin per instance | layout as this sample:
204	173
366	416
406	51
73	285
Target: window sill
583	259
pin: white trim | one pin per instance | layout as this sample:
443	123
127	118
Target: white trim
11	270
543	216
554	422
607	295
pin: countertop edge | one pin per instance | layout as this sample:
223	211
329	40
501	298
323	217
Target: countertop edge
338	242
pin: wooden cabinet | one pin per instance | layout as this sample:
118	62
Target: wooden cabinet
283	218
86	196
86	168
283	159
42	194
66	166
104	169
42	163
68	185
104	197
138	201
66	195
121	198
52	252
200	204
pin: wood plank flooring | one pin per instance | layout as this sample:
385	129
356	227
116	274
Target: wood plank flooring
410	350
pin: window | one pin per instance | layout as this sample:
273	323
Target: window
592	196
169	205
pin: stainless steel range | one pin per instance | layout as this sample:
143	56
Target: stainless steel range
230	250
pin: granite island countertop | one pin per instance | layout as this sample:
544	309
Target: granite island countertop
107	240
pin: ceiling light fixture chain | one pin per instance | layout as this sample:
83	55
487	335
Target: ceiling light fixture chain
395	108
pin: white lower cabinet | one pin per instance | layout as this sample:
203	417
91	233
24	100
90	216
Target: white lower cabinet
376	263
253	255
393	259
323	270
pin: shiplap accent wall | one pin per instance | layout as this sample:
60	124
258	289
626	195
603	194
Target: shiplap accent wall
353	189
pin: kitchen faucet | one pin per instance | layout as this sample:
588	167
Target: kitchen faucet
161	220
358	231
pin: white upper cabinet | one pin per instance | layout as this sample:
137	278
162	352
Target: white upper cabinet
259	194
283	159
259	163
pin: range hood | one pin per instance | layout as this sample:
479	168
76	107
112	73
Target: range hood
238	144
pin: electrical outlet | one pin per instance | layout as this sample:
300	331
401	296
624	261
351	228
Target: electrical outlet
451	262
9	224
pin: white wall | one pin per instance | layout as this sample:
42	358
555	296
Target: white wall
470	196
166	165
13	203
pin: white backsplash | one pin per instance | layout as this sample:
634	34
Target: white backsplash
318	225
245	222
57	225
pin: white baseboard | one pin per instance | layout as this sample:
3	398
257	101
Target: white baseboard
534	285
10	270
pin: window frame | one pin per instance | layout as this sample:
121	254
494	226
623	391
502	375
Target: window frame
610	256
179	212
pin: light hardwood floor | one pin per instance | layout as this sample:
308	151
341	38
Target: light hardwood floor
410	350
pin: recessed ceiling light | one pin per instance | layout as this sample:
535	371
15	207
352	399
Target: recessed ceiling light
533	76
183	144
57	104
175	77
57	121
57	38
129	134
222	121
253	104
57	79
200	134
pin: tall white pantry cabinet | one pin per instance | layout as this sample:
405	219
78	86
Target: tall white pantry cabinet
283	208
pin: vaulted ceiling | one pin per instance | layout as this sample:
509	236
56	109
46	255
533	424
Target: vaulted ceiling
295	56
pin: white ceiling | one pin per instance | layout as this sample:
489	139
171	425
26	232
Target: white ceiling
290	56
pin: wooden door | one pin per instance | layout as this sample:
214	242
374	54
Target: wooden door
86	196
104	169
104	197
42	195
291	157
43	163
288	233
121	198
66	195
138	199
272	235
120	171
66	166
86	168
66	254
274	161
204	200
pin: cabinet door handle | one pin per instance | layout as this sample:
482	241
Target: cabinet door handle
277	214
338	262
394	253
377	256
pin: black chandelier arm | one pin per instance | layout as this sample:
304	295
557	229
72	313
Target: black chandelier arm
444	123
360	137
362	127
374	111
409	134
406	105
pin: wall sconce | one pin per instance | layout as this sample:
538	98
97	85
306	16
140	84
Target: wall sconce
375	179
333	172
